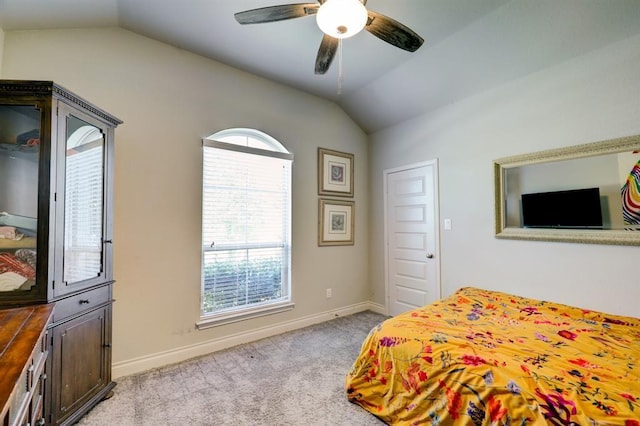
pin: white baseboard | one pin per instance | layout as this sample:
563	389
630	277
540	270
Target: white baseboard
159	359
377	308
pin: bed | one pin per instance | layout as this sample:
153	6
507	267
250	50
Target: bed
483	357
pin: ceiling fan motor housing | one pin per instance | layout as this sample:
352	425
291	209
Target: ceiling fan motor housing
341	18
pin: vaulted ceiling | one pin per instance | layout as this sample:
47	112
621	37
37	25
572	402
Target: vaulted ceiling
470	45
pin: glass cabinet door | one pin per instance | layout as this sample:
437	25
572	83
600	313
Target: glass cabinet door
84	182
19	153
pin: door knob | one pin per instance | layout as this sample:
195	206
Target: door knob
430	256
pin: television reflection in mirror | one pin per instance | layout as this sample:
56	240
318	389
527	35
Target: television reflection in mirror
571	209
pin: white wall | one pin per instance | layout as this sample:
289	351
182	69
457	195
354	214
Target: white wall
586	99
169	99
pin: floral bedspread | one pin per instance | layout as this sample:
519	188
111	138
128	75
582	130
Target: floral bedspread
482	357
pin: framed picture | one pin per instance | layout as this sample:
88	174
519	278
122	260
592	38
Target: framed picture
335	173
336	222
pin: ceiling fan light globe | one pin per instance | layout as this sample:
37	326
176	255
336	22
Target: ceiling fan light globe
341	18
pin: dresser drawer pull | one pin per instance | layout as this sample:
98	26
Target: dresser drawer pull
84	301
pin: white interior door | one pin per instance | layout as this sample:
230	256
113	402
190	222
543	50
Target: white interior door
412	237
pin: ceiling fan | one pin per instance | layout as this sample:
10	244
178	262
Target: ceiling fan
337	19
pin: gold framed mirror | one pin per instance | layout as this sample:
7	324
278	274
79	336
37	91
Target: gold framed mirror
610	168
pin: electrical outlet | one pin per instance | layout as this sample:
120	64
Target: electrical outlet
329	294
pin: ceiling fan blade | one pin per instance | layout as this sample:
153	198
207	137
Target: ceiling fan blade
393	32
276	13
326	53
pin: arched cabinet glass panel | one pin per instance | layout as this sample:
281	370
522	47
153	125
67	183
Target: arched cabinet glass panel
587	193
83	201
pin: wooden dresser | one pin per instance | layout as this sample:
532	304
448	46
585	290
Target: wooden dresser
23	364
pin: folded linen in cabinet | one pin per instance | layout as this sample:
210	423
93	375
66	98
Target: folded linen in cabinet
10	263
10	281
10	233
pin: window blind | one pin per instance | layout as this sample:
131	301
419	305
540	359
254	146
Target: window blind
246	216
83	214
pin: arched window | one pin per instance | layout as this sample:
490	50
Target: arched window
246	226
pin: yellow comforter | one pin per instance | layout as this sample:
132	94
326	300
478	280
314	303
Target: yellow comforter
482	357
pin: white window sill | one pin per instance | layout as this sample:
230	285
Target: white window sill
229	318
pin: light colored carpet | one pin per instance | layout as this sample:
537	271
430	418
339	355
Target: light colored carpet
296	378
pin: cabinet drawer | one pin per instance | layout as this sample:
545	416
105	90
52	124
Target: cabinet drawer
81	302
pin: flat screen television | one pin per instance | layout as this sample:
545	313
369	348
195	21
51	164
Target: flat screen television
577	208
